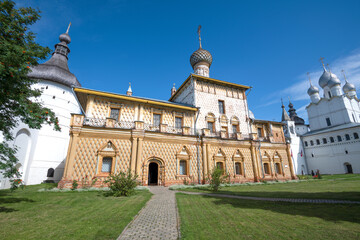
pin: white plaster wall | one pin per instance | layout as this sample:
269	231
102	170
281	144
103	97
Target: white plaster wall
48	147
338	109
330	158
207	97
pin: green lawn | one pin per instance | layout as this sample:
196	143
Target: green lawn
204	217
342	187
36	215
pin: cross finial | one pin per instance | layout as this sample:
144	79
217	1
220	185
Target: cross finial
309	78
289	99
198	31
174	85
343	72
282	103
67	31
328	66
322	62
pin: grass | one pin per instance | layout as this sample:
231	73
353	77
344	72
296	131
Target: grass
29	214
341	187
204	217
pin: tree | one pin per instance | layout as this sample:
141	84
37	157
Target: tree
217	177
18	99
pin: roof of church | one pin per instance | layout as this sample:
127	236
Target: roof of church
83	92
56	68
332	129
212	80
285	115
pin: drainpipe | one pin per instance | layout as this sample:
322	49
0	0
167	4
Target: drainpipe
197	146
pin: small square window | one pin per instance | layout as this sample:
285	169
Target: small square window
156	119
178	122
114	113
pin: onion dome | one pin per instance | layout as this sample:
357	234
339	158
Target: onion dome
200	55
312	90
334	80
324	79
56	68
348	87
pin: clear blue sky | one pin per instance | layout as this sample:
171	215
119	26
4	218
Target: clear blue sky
269	45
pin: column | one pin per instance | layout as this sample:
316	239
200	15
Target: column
139	156
133	154
254	162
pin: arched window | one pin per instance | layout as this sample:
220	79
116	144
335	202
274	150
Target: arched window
50	172
356	135
210	118
347	137
183	167
317	142
266	168
306	144
278	168
311	142
332	139
324	141
238	170
348	168
339	138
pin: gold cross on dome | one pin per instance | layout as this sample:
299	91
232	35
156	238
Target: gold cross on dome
322	62
198	31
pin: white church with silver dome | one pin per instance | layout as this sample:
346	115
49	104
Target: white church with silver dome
332	145
42	153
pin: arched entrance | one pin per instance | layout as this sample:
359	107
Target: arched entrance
153	173
348	168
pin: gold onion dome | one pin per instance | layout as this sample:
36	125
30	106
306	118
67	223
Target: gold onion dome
200	55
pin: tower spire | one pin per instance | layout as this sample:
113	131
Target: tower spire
129	91
199	33
285	115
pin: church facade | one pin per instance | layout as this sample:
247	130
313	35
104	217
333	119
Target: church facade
331	142
206	123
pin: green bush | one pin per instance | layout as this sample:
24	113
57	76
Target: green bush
217	177
121	184
74	185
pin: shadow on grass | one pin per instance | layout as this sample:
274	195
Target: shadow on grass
7	210
351	196
328	212
15	200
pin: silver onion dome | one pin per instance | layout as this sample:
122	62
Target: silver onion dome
65	38
334	80
348	87
312	90
324	79
200	55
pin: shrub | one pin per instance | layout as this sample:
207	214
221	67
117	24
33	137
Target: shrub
121	184
74	185
217	178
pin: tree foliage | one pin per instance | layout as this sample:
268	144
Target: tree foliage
217	177
121	184
18	98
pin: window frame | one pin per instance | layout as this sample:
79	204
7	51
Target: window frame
181	122
267	170
356	135
222	103
186	167
347	137
332	140
328	121
117	119
339	138
153	118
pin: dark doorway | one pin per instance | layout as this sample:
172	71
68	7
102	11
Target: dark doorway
153	173
348	168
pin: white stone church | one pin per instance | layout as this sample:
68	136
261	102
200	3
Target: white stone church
331	142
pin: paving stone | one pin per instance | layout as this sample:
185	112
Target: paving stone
157	220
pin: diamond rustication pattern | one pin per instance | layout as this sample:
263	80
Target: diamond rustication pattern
86	159
200	55
167	153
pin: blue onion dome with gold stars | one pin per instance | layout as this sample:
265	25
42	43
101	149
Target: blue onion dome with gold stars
200	55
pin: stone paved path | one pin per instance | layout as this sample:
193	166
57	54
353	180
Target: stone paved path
293	200
157	220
